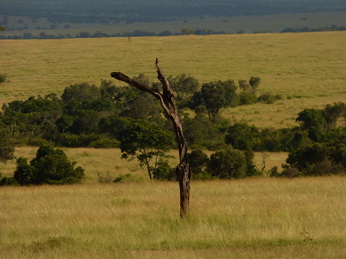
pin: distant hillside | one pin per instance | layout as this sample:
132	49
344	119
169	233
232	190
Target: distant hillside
128	11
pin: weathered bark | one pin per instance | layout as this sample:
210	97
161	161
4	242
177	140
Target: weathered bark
167	101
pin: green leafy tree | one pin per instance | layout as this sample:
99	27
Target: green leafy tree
242	136
215	96
32	117
6	146
50	166
314	122
254	82
201	132
199	163
142	106
24	173
184	86
333	113
81	93
228	163
145	142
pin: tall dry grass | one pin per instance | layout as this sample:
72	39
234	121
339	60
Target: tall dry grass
250	218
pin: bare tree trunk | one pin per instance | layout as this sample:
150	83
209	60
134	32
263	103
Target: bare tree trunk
167	100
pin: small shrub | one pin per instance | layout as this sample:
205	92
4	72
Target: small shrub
50	166
274	172
8	181
228	163
3	78
269	98
247	97
164	172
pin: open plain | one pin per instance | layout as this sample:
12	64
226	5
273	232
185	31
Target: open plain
248	218
307	68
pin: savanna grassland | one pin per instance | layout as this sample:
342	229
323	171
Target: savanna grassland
250	218
309	68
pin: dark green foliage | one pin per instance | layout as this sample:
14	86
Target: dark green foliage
254	82
164	172
33	117
228	163
105	142
333	113
269	98
251	169
3	78
199	163
8	181
64	123
314	122
247	97
146	142
24	173
85	122
215	96
319	159
6	145
50	166
81	94
184	87
242	136
142	106
248	93
201	132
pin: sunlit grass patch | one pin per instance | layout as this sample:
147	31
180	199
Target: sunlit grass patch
282	217
309	65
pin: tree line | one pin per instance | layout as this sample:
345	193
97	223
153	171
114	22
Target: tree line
143	33
107	116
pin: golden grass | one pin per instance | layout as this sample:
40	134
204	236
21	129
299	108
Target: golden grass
310	65
250	218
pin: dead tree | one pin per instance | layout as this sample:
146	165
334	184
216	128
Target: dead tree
167	101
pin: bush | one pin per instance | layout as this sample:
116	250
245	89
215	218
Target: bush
228	163
164	172
242	136
319	159
199	162
6	146
269	98
8	181
246	97
200	131
50	166
3	78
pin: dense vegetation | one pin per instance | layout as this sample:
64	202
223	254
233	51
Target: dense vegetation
50	166
141	33
119	116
